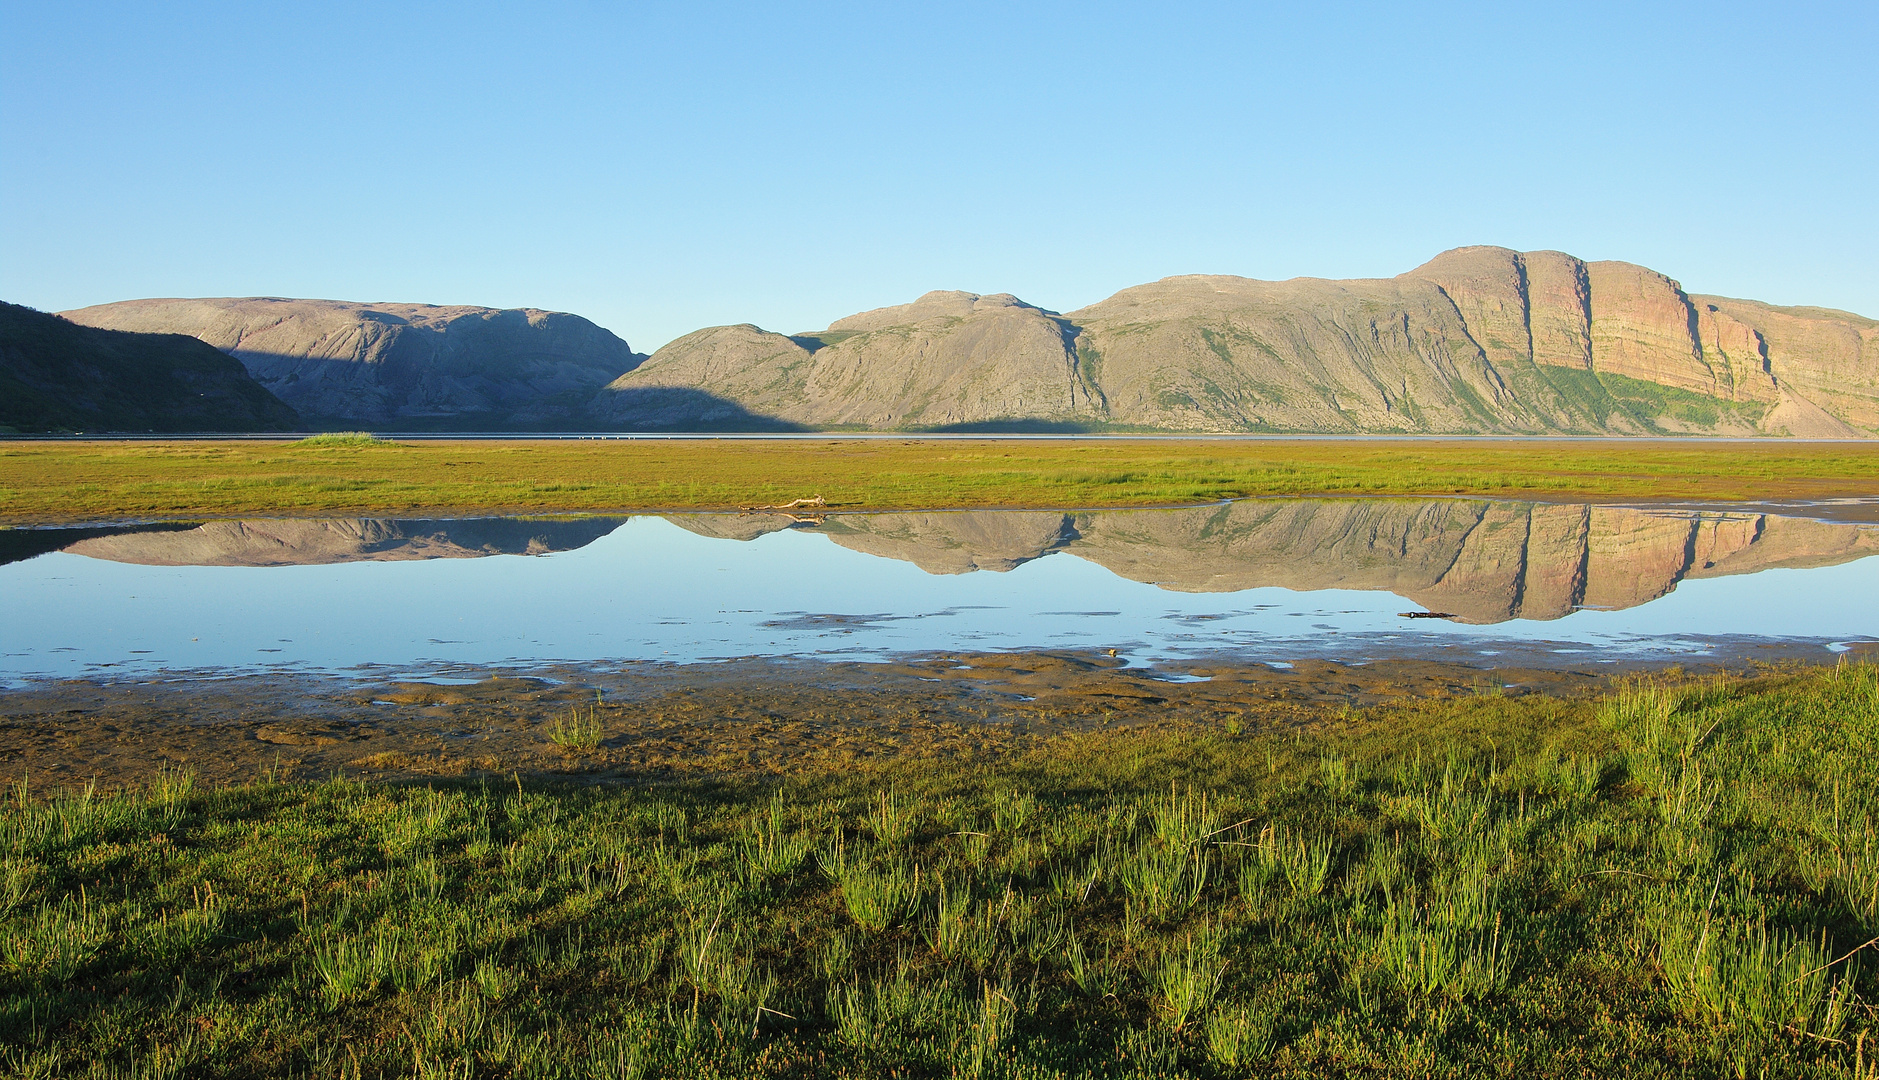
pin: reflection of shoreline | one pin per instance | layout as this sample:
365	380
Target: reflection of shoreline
1485	561
323	541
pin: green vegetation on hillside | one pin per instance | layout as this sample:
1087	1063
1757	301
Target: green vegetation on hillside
1675	880
66	481
59	376
1646	403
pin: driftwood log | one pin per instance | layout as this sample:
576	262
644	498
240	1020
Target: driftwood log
793	504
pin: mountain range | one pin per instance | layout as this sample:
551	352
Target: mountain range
1479	340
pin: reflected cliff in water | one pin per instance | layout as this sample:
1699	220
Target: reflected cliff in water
322	541
1483	562
1480	561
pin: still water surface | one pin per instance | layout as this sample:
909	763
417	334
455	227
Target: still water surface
1267	580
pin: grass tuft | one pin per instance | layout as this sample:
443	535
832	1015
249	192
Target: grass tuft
343	439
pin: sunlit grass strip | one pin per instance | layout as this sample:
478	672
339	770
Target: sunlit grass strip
42	482
1676	880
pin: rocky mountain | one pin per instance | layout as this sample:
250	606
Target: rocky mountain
1482	561
59	376
948	357
1477	340
405	365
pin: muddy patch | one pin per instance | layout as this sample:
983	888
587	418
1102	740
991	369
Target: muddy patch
669	721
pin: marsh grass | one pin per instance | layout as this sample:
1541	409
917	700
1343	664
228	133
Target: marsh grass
342	473
1675	880
579	731
342	439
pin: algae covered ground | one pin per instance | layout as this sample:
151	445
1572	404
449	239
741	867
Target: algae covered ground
1677	878
54	481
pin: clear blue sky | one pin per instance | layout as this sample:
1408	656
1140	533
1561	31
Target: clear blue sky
661	167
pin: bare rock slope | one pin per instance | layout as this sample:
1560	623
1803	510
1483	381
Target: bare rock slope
1479	339
947	358
399	364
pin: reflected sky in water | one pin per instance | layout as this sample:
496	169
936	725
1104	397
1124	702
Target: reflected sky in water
650	590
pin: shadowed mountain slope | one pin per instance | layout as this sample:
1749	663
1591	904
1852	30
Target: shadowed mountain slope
410	365
58	376
1478	340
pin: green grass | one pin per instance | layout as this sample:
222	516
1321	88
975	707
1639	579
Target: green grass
342	439
1675	880
578	731
50	482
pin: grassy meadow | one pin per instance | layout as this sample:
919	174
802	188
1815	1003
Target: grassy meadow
1673	880
46	482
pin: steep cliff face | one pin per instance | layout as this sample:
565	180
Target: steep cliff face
413	364
1826	362
949	358
1477	340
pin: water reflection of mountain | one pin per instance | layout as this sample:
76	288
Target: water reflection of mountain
1483	561
314	541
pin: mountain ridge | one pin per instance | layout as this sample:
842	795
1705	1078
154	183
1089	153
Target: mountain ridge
1477	340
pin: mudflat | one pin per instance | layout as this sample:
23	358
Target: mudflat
663	722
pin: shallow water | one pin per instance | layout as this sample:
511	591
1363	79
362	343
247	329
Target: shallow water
1269	580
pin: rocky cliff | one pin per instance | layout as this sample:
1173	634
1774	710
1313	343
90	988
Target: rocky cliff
1481	561
1478	340
404	365
56	375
